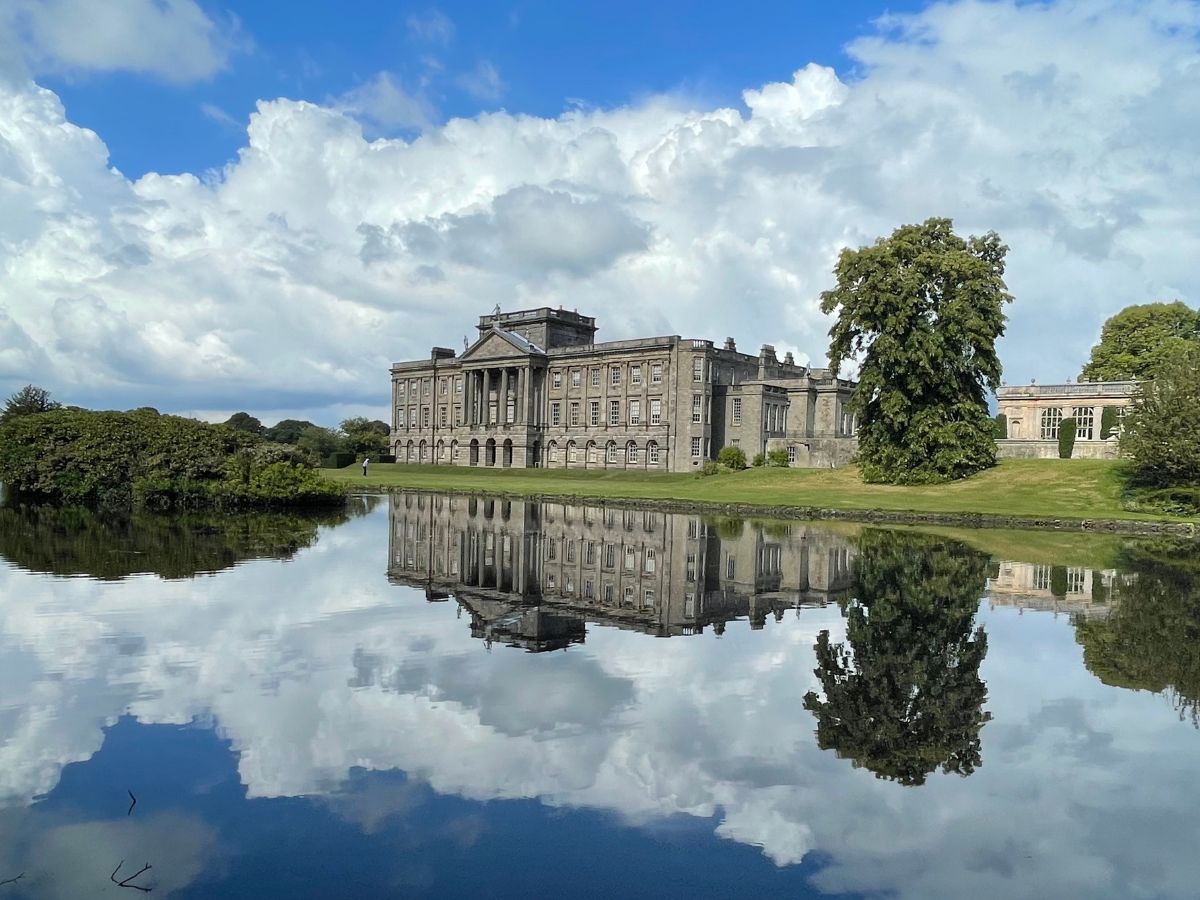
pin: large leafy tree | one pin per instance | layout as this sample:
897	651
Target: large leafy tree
921	310
905	697
28	401
1139	339
366	435
1162	429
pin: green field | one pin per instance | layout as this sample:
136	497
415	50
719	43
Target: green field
1035	489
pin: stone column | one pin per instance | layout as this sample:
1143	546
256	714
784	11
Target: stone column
520	396
502	403
487	397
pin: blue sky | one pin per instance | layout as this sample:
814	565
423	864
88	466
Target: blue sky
549	56
213	206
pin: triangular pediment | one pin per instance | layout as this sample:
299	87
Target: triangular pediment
498	344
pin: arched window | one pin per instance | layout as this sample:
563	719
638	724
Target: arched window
421	453
572	453
652	453
408	457
631	453
441	450
593	455
1051	419
552	451
454	451
611	452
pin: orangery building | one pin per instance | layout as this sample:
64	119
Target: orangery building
536	389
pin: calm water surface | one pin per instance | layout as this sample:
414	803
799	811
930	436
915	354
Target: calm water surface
437	696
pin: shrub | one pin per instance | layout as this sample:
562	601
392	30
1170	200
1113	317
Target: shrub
1108	422
777	458
710	468
339	460
1000	427
732	457
1066	438
759	460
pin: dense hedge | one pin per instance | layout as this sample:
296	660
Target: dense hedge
1000	427
1108	422
1066	438
158	462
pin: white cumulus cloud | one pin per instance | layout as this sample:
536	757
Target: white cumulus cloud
295	276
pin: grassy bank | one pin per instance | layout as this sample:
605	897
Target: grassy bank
1036	489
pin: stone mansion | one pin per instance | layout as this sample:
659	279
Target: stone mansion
536	389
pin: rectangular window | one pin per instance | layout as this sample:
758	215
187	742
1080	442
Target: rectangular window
635	374
403	387
555	413
589	553
792	455
442	417
737	410
458	383
426	385
656	373
630	559
691	567
650	561
589	589
399	417
574	413
424	416
614	375
655	412
443	386
570	551
557	379
595	378
730	566
458	415
614	412
1051	419
696	446
697	368
412	417
610	556
608	593
635	412
697	407
576	378
594	412
1084	422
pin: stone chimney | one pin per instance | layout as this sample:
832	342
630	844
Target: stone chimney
788	359
729	344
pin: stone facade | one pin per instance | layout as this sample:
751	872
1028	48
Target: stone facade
535	389
1034	412
657	572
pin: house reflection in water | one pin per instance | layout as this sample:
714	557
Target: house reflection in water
532	573
1074	590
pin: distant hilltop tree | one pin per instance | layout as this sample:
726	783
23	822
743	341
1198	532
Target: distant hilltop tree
1137	341
28	401
921	310
243	421
287	431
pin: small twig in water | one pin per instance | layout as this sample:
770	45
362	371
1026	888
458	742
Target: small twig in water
133	804
137	887
12	880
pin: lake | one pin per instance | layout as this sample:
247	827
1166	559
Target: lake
449	696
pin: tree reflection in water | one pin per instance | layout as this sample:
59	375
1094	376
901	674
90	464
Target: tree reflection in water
1151	639
111	545
905	697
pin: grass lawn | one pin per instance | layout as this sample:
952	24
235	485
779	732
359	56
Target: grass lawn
1032	488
